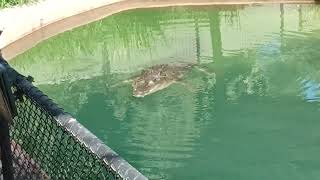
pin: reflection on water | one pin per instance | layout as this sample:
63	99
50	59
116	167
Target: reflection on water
257	116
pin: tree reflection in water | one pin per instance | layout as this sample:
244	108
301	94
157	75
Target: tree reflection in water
176	127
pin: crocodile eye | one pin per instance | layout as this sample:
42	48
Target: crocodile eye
150	83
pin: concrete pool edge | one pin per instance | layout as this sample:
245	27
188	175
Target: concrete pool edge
115	162
16	43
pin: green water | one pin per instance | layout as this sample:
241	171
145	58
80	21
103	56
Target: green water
257	118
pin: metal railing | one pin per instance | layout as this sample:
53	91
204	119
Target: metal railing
47	143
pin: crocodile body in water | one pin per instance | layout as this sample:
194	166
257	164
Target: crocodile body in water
158	77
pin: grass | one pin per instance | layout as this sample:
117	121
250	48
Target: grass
10	3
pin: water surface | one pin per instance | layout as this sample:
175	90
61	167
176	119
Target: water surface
257	118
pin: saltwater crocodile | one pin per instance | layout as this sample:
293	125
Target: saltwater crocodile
158	77
161	76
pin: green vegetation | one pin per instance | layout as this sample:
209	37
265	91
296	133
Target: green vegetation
9	3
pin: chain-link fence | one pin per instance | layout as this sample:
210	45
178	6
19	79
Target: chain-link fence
48	143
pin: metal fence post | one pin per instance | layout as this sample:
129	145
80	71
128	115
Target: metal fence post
7	112
5	147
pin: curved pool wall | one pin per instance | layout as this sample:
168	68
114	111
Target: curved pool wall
48	18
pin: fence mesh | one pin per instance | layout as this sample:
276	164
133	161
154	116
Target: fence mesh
47	143
61	155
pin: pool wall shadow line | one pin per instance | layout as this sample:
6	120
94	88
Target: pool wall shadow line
23	41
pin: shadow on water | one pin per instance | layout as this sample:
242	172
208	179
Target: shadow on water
240	123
